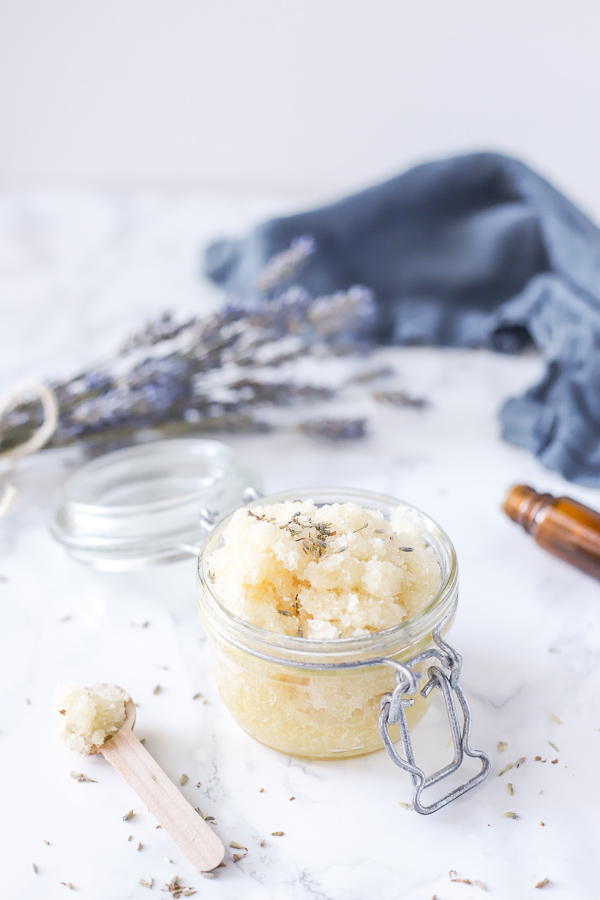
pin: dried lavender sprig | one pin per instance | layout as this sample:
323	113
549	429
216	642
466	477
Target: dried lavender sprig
334	429
167	387
400	399
283	266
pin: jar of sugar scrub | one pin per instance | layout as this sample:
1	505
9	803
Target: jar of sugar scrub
326	608
327	611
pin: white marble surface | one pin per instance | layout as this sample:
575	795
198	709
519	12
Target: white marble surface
77	272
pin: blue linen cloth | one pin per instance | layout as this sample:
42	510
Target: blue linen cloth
474	251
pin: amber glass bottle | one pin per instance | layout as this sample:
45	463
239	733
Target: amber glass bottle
560	525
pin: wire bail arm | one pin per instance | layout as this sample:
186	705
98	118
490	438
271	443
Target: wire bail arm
445	677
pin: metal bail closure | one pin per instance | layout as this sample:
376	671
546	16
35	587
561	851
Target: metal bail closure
445	677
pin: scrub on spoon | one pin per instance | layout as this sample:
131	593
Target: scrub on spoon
100	720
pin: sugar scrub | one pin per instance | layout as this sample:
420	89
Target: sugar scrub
89	715
324	572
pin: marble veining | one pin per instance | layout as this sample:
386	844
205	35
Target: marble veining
79	270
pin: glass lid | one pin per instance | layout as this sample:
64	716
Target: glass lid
150	503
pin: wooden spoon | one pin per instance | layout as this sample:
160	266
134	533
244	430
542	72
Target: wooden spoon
194	837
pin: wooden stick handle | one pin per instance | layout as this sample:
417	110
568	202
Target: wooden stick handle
194	837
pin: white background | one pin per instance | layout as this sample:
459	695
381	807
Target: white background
246	109
317	97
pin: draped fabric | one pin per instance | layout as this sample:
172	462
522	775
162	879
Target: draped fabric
474	251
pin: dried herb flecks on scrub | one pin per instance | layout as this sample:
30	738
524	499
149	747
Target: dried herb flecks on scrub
324	572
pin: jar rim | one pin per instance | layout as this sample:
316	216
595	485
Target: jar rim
374	644
201	449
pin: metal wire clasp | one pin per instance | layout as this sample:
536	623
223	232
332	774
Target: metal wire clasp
445	677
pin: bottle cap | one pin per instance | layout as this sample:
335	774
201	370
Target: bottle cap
517	501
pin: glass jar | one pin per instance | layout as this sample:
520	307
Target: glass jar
150	503
305	697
